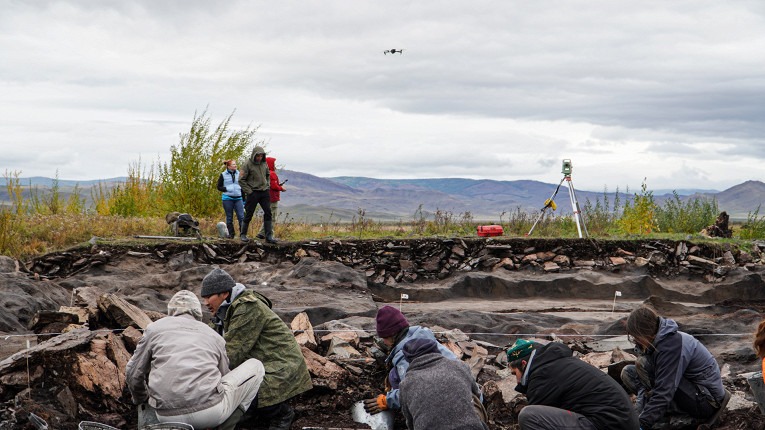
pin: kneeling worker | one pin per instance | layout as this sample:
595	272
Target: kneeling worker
252	330
565	392
438	393
180	369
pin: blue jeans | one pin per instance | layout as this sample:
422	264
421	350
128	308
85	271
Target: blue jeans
229	206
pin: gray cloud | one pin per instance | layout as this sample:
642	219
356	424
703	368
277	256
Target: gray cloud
483	90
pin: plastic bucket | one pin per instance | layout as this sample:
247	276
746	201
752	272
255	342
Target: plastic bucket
381	421
91	425
758	389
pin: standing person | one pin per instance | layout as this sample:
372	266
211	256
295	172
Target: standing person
276	190
564	392
672	369
395	332
252	330
255	183
438	393
228	185
180	368
759	345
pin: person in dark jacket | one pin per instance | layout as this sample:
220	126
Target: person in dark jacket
565	392
275	192
255	181
228	185
438	393
673	371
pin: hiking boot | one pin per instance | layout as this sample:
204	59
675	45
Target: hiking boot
243	238
284	421
268	228
260	236
714	419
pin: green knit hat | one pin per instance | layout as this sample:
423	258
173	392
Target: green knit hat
521	349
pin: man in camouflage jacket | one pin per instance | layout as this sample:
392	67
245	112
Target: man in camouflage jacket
252	330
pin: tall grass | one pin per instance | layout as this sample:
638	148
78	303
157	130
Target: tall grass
754	228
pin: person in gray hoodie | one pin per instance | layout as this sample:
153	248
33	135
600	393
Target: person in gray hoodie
181	370
673	371
438	393
254	179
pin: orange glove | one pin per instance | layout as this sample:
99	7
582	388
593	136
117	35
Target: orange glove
376	405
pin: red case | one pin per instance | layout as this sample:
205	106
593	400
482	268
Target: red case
490	230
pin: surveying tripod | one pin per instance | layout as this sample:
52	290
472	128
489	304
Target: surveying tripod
567	167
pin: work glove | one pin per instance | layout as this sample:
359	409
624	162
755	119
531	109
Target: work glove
376	405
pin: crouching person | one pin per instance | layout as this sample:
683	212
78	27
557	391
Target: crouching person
180	368
564	392
395	332
252	330
438	393
674	373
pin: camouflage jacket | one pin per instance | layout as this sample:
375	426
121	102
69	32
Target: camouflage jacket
253	330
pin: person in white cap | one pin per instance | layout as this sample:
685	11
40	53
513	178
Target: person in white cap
181	370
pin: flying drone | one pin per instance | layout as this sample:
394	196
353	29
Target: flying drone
393	51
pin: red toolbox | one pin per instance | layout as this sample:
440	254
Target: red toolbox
490	230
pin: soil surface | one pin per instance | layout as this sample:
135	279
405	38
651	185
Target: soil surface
493	291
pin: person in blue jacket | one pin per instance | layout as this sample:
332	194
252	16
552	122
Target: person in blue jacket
673	371
395	332
228	185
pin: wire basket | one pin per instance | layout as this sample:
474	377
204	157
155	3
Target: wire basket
90	425
168	426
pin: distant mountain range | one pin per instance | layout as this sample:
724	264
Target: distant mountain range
316	199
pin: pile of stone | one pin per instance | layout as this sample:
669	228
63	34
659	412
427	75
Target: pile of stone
388	262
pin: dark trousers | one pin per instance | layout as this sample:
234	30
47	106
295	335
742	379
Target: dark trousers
539	417
694	400
262	198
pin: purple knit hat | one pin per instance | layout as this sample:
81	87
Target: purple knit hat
390	321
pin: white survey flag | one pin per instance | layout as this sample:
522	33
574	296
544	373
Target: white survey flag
618	294
404	296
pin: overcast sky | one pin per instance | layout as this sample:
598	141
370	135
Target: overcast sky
671	91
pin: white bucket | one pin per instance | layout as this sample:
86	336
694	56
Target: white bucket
381	421
222	230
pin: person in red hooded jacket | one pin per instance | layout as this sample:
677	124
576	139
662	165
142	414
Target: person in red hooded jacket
276	189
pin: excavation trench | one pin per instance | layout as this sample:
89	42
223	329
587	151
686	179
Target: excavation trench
493	291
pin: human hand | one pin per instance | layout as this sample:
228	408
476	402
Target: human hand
376	405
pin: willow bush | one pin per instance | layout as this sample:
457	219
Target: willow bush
188	180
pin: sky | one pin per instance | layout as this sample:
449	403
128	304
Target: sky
667	92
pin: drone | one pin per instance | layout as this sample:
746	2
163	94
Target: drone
393	51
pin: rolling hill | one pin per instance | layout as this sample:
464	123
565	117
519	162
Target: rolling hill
316	199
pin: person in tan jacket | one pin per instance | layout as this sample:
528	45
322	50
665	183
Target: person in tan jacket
181	370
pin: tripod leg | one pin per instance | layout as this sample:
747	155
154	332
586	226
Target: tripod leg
539	218
548	203
577	211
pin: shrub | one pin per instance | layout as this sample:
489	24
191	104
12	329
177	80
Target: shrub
189	179
639	215
691	216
